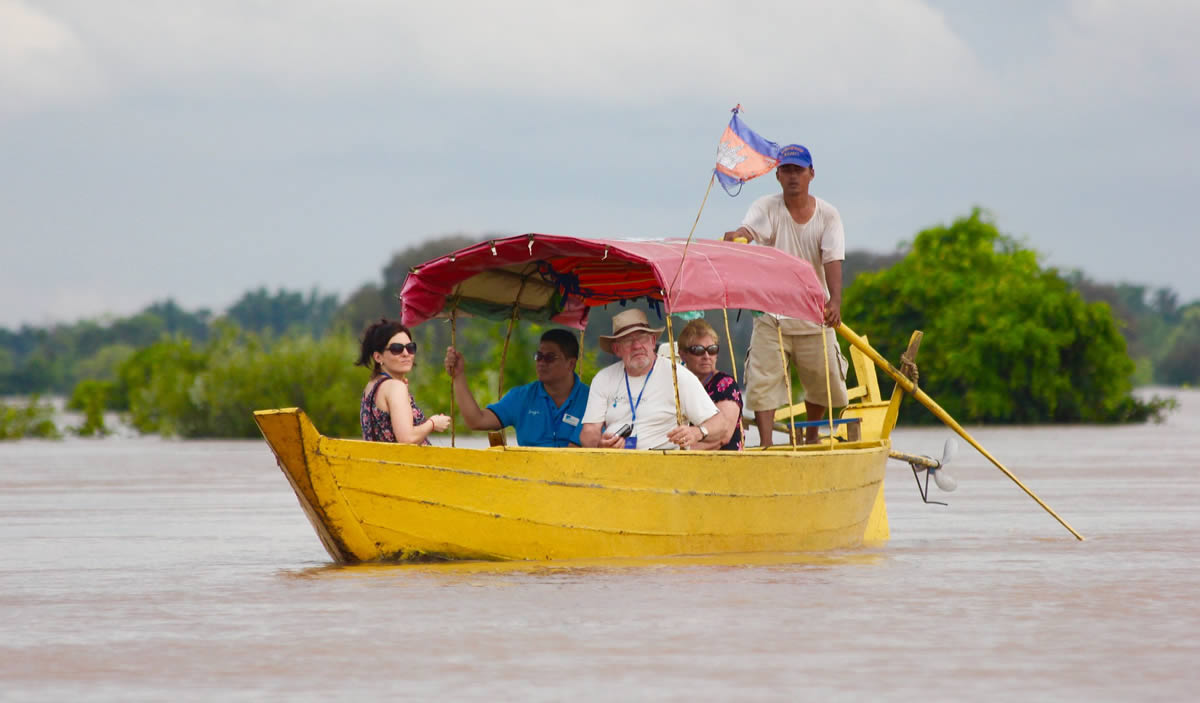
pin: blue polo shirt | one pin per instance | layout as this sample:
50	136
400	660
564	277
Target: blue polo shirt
539	422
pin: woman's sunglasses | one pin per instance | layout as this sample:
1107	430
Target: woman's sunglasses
398	348
697	350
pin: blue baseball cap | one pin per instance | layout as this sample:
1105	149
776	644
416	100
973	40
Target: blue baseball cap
795	154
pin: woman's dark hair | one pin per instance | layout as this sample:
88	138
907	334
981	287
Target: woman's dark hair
565	341
375	339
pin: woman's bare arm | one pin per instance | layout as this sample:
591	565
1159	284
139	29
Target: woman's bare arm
396	398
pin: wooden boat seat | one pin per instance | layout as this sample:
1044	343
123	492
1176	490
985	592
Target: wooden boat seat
497	438
853	427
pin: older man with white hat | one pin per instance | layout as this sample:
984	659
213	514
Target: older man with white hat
638	391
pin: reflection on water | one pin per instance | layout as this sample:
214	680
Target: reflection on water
589	567
144	569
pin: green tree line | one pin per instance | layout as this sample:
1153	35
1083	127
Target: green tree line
55	359
182	388
1006	341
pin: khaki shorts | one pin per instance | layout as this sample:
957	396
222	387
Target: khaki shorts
765	385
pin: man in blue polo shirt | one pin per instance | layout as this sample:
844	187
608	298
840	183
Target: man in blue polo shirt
547	412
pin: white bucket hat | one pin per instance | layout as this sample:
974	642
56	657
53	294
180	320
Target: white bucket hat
626	323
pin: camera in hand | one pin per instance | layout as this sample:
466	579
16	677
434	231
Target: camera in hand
625	431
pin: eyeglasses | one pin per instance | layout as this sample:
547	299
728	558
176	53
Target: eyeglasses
399	348
548	357
697	350
638	338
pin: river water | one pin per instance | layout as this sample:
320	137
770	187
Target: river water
149	569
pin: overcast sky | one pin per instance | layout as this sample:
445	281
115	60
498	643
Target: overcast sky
197	150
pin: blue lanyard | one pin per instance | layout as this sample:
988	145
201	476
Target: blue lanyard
632	406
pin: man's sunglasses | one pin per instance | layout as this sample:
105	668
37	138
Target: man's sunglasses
697	350
548	357
399	348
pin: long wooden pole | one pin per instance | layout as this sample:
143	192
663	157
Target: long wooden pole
911	388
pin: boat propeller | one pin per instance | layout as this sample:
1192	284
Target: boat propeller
931	467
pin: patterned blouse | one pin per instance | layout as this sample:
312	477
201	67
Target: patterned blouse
376	423
721	386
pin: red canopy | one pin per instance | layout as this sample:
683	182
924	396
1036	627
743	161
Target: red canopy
559	278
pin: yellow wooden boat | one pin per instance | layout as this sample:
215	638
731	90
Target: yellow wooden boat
371	501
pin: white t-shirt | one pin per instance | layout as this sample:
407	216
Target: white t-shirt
608	402
818	241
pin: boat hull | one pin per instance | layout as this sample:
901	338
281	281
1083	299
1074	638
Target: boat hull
372	501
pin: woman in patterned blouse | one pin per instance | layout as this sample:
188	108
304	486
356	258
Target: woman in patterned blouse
698	347
388	412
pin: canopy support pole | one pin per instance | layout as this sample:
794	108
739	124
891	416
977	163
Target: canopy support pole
666	298
828	385
787	379
729	341
579	362
512	322
674	366
453	343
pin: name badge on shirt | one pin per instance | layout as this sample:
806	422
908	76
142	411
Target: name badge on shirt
631	442
570	419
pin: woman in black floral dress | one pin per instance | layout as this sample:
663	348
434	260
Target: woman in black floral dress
698	347
388	412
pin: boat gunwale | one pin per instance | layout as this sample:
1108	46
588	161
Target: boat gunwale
865	446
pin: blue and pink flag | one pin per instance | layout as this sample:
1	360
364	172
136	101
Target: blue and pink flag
743	155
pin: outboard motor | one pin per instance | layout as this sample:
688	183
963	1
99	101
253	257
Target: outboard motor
931	467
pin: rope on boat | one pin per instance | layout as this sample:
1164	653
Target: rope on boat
787	380
908	367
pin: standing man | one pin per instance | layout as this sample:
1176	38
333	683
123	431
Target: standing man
547	412
805	226
638	391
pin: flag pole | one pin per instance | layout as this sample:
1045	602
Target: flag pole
683	257
693	232
667	298
736	109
